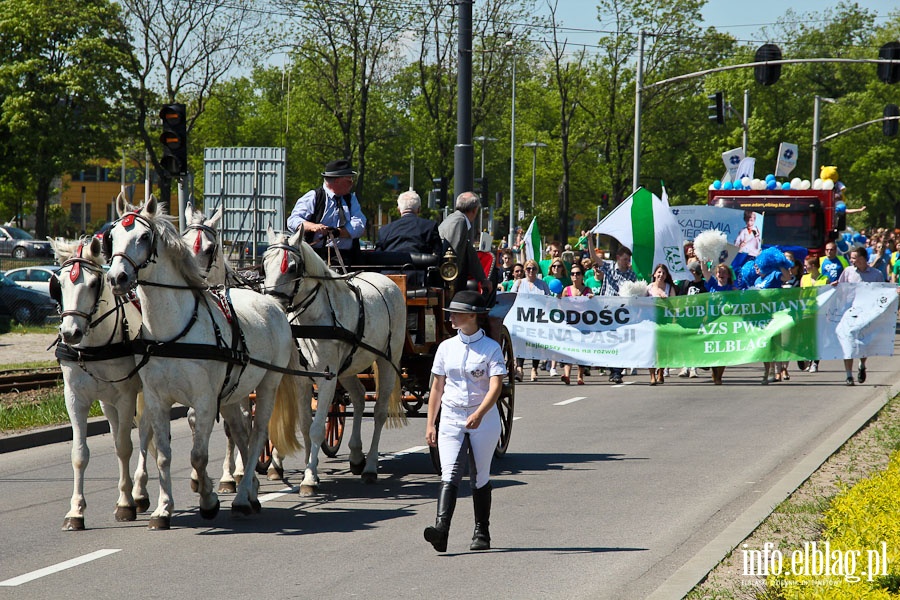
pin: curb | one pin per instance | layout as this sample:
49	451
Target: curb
63	433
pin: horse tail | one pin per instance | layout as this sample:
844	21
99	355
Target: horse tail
285	415
396	414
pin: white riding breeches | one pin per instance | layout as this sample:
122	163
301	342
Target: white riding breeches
456	444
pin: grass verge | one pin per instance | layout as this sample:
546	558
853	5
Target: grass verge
801	519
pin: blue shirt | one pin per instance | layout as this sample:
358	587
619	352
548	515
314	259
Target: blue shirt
832	268
334	216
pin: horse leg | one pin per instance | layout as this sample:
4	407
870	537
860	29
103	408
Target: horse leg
226	483
205	419
81	456
192	423
120	424
357	394
246	501
387	380
237	471
145	445
158	417
316	436
240	439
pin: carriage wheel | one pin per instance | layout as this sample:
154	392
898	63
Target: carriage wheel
334	428
506	402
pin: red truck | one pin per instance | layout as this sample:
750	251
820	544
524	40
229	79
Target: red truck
791	217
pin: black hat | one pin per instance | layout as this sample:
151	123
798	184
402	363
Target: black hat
467	301
339	168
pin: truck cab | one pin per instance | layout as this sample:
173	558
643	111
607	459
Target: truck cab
803	218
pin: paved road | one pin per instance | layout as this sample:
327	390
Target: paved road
608	492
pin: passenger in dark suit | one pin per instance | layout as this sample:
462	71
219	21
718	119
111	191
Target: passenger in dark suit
456	231
410	233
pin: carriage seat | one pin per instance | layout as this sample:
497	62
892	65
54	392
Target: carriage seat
421	270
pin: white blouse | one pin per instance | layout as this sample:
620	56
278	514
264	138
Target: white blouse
468	363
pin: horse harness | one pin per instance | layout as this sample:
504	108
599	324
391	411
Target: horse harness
335	331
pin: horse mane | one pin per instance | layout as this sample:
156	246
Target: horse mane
183	258
64	250
314	264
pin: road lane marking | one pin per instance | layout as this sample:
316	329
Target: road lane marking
570	400
393	455
15	581
275	495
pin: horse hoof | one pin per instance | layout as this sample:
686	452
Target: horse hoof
275	474
256	506
73	524
210	513
126	513
241	510
227	487
142	504
307	490
357	468
159	523
195	486
237	479
369	478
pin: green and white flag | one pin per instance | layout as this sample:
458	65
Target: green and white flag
645	225
533	248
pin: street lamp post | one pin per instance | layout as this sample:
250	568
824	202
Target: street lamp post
484	140
817	103
534	146
512	153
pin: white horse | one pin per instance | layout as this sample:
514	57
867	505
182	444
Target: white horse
202	238
221	354
358	319
97	364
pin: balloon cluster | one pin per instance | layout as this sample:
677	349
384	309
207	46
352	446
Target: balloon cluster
849	240
770	183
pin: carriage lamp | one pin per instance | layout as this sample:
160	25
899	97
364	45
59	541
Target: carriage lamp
449	268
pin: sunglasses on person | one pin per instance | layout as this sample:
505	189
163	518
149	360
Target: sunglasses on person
574	273
556	266
530	269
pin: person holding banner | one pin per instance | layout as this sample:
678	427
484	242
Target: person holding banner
721	281
530	285
611	275
662	286
859	271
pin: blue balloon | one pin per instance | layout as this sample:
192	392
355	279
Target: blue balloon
737	185
770	177
846	236
786	185
840	208
727	185
843	246
717	184
771	184
556	286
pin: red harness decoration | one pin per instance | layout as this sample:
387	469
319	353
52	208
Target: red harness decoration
285	262
76	268
128	220
224	307
198	242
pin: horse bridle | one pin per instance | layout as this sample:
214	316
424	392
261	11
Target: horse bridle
200	228
128	220
285	264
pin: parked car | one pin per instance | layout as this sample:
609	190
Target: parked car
18	243
35	278
24	305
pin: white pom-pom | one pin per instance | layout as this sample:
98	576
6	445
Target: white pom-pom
709	244
828	184
817	184
633	289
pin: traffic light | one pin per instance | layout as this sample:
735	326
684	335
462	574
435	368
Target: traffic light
717	108
174	139
889	127
889	73
767	74
604	201
440	190
481	187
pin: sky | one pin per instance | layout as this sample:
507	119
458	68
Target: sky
581	15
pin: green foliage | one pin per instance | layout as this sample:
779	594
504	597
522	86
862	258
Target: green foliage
49	409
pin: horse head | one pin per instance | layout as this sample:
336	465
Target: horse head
130	244
78	286
284	265
203	239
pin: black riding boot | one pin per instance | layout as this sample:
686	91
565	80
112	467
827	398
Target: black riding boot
481	500
438	534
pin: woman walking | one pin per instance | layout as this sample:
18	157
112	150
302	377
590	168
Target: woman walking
468	374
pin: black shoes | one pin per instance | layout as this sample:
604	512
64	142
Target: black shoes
850	380
861	374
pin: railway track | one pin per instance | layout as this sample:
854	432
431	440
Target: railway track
22	380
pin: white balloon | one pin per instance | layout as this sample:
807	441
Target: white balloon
804	185
795	183
828	184
817	184
712	187
745	181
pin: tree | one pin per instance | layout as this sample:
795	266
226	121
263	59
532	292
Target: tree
63	83
183	49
